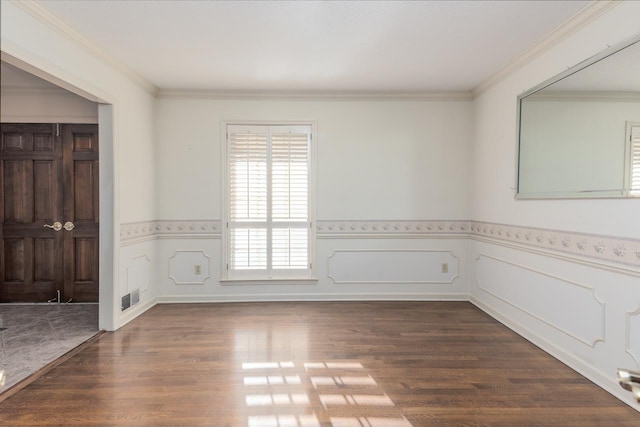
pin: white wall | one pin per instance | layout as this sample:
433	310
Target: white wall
583	309
370	155
377	161
30	41
45	106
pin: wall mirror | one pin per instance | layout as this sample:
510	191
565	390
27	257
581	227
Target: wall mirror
579	132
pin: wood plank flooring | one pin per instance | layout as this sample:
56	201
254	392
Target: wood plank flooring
364	364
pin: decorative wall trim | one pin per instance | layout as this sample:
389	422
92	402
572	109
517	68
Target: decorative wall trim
591	343
601	251
391	229
136	231
425	271
632	340
133	268
617	250
181	264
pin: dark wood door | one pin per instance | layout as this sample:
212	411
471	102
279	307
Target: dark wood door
49	174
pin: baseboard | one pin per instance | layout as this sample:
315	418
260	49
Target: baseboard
134	312
169	299
604	381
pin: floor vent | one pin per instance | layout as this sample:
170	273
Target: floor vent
126	302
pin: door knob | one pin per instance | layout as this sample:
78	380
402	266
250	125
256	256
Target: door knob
69	226
57	226
630	381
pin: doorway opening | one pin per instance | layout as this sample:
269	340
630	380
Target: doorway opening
55	249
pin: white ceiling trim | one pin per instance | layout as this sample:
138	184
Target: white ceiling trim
316	95
564	31
36	9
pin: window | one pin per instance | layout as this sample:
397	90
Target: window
268	212
634	160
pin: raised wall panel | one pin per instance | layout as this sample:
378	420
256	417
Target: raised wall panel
182	267
139	273
570	307
392	266
633	336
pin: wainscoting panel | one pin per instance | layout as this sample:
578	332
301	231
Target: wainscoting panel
138	268
633	336
189	267
397	266
586	316
139	273
546	299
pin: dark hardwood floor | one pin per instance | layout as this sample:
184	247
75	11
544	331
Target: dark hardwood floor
365	364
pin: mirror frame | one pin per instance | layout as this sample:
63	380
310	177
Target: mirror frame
611	50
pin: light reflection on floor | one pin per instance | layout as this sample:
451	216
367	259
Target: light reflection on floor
315	394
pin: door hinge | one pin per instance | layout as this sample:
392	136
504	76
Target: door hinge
57	129
227	266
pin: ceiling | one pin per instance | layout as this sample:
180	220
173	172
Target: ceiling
408	46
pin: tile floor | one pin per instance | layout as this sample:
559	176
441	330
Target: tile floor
33	335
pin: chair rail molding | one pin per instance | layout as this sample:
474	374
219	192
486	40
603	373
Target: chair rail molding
360	229
614	253
136	232
600	250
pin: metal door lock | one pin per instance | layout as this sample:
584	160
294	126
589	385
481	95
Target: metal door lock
57	226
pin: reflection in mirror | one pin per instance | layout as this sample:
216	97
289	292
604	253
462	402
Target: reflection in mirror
579	133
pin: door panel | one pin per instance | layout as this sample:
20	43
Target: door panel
81	207
46	178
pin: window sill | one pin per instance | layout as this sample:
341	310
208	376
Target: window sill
261	282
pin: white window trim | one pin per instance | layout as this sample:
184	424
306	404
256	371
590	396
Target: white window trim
311	277
628	160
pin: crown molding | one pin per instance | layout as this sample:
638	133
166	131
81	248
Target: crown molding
39	11
584	96
314	95
572	25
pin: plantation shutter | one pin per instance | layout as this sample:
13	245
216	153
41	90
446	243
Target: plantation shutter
268	186
247	198
290	207
635	160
